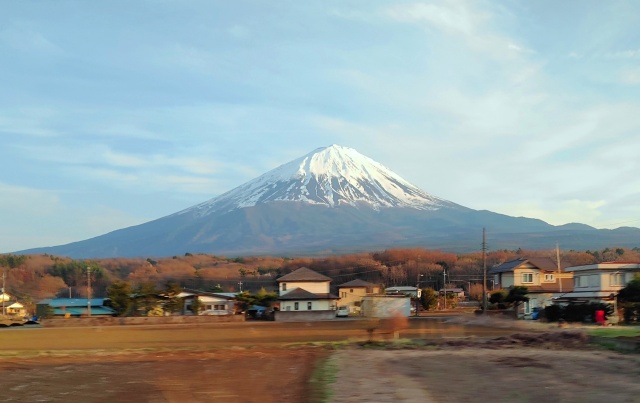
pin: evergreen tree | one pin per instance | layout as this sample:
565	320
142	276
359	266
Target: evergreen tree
119	294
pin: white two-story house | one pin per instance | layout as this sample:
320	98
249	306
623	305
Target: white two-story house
305	295
545	281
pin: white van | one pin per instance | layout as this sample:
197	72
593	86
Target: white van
342	312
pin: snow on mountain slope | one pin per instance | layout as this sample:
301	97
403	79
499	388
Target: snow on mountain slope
330	176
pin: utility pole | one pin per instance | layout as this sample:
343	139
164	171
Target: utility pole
444	286
240	284
418	293
88	291
484	272
558	259
4	275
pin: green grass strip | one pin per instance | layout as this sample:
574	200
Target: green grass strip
324	375
618	331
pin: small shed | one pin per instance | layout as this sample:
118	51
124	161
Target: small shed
386	306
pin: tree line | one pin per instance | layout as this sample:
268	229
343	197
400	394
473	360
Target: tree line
34	277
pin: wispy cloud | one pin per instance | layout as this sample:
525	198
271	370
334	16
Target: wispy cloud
625	54
630	76
24	37
563	212
454	17
32	121
34	201
461	19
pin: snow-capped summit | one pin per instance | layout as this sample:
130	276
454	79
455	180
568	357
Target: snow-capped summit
330	176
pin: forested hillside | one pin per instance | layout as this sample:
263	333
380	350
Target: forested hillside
34	277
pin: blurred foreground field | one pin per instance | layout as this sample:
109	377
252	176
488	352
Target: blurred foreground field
274	362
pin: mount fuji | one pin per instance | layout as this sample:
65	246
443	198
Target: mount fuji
332	200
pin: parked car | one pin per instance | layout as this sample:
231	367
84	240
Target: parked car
342	312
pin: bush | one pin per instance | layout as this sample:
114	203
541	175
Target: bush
498	297
577	312
553	313
631	313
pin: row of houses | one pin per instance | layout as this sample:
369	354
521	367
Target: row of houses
302	295
305	294
550	283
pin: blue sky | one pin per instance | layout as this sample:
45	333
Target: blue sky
115	113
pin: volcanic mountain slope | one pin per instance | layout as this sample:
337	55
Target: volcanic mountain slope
332	200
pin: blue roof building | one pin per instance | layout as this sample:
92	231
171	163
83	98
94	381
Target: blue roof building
73	307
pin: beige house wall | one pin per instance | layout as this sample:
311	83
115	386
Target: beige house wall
314	287
352	297
518	276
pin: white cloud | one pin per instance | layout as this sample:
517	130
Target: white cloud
630	76
625	54
123	160
453	17
461	19
126	130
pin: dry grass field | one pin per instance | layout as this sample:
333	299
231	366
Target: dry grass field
273	362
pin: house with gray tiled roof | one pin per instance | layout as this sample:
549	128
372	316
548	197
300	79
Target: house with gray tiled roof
305	295
600	283
545	281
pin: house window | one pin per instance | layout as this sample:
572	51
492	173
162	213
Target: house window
343	295
284	286
549	277
220	307
296	306
594	280
617	279
351	291
580	281
527	277
309	305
